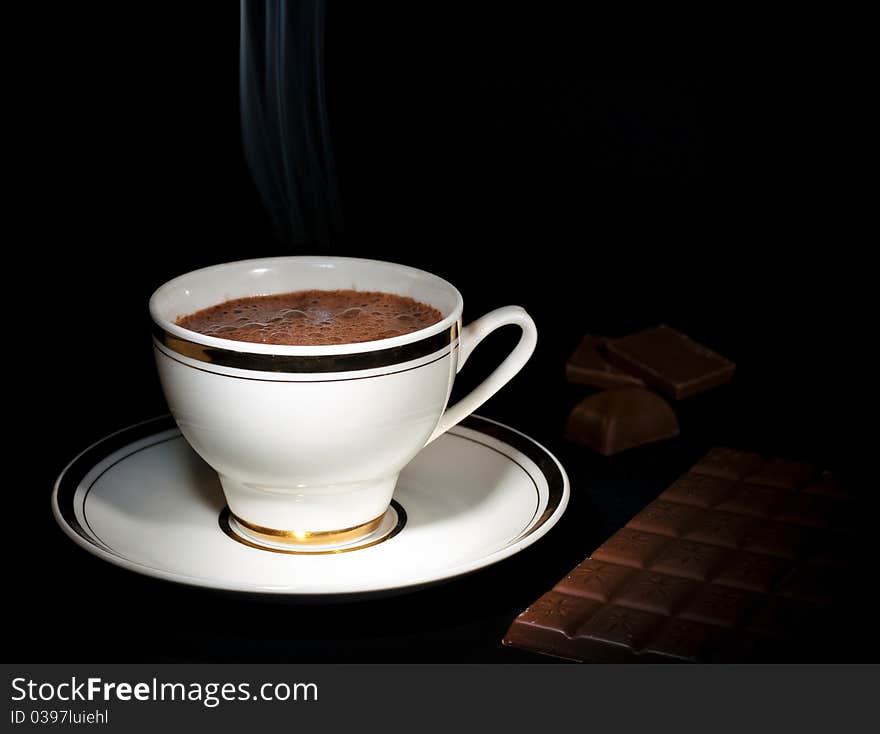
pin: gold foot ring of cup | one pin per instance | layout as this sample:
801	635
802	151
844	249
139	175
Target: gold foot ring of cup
310	537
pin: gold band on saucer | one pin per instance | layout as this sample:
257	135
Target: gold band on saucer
310	537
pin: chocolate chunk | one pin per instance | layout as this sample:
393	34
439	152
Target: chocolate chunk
703	574
827	485
669	361
691	560
777	539
588	366
594	579
698	490
725	529
621	418
808	510
836	549
752	499
555	611
719	605
753	571
810	583
782	473
628	547
665	518
727	463
681	639
784	618
623	626
656	592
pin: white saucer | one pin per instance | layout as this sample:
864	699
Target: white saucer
142	499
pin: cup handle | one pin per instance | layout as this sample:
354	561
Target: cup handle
473	334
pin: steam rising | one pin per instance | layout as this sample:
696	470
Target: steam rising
284	117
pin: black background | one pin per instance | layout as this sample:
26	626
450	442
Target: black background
585	201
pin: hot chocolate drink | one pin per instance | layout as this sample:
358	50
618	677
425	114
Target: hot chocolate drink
313	317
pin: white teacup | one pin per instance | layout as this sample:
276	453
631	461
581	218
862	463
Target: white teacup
308	441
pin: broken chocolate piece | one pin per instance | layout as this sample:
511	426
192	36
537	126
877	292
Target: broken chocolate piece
670	362
588	366
621	418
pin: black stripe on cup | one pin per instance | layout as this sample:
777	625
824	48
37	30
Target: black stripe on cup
310	363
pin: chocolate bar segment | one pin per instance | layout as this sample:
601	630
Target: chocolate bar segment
725	565
588	366
621	418
670	362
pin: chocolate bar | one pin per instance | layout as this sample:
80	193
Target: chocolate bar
669	361
738	558
621	418
588	366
